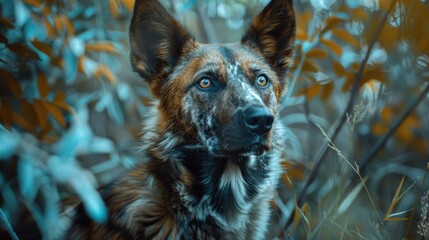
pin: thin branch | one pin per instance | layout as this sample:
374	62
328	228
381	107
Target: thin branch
4	222
355	89
370	157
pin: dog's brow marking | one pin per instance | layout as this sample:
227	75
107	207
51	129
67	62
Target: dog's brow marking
240	81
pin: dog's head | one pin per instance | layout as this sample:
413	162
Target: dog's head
224	96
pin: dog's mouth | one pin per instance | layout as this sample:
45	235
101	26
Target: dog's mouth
255	149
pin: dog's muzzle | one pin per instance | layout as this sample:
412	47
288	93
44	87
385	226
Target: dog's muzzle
248	132
257	119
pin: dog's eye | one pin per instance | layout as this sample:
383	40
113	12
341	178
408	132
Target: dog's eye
205	83
262	81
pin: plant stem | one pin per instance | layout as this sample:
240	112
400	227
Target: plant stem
6	224
355	89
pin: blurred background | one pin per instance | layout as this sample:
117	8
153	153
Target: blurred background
357	109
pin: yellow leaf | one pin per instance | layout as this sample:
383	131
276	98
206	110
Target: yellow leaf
60	97
101	47
49	28
6	112
310	66
7	23
57	61
301	35
43	47
396	219
28	112
80	65
34	3
300	214
104	71
19	120
69	25
43	85
379	129
47	10
41	113
359	13
345	36
387	114
13	83
64	106
333	46
296	217
286	180
405	132
23	51
327	90
15	87
338	69
350	79
58	23
331	22
310	92
128	4
395	199
303	19
373	74
55	113
317	53
114	8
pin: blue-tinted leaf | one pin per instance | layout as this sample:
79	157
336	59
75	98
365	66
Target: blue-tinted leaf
67	171
77	137
101	145
124	91
27	176
9	143
33	30
115	112
22	14
89	66
94	205
77	46
70	65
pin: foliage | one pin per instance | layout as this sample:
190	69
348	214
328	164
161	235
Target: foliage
64	103
357	109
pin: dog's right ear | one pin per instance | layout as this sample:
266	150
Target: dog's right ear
157	40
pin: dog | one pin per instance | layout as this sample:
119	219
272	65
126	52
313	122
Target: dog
212	141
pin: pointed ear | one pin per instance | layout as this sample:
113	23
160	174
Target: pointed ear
272	34
157	40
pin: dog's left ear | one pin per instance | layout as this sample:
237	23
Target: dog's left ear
272	34
157	41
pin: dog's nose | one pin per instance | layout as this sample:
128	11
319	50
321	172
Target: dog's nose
258	119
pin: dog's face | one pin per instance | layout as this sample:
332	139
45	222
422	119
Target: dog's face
223	97
230	97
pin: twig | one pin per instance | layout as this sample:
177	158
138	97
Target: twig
6	224
355	89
